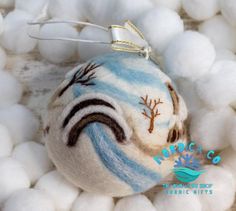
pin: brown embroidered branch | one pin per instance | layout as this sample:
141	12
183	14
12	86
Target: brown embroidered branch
152	106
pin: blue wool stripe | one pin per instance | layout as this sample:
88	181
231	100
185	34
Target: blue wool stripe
135	175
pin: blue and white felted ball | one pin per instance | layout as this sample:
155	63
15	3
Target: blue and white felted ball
108	119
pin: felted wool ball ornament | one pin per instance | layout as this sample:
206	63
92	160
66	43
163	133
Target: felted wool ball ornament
109	118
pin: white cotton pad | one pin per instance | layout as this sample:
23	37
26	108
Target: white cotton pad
171	4
60	190
134	203
160	26
15	35
86	50
224	54
6	144
201	9
93	202
218	89
220	32
34	158
29	200
13	178
228	8
174	202
31	6
208	128
57	51
7	3
10	89
20	121
223	188
189	55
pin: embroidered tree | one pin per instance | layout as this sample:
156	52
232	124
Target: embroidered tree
151	111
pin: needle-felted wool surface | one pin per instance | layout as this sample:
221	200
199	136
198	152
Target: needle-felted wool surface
109	118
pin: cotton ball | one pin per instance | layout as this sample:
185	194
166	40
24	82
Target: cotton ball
232	132
15	35
93	202
134	203
34	158
1	23
6	144
57	51
3	58
174	202
189	55
29	200
10	89
88	51
223	188
31	6
13	177
160	26
219	88
61	191
20	121
172	4
228	8
72	9
7	3
224	54
207	128
221	33
201	9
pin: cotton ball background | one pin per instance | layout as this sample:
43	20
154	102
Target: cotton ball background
87	50
228	160
160	26
207	128
28	200
189	55
57	51
228	8
20	121
13	178
201	9
15	35
177	202
220	32
6	144
224	54
7	3
171	4
219	88
223	188
134	203
60	190
34	158
93	202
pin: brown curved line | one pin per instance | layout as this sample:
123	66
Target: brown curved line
91	118
82	105
174	97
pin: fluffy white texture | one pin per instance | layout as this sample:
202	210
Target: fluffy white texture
72	10
34	158
134	203
15	35
60	190
29	200
224	54
10	89
221	33
201	9
171	4
228	8
1	23
223	188
57	51
20	121
3	58
88	51
219	88
160	26
232	132
189	55
208	128
177	202
31	6
6	144
13	178
7	3
93	202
